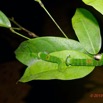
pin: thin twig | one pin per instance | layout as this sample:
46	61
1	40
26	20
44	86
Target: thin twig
12	30
42	5
22	28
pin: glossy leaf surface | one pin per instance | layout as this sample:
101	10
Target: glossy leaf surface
43	70
87	30
97	4
28	50
4	21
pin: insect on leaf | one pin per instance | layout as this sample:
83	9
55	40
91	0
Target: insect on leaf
4	21
43	70
87	30
97	4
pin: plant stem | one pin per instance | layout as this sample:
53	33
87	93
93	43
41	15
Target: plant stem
12	30
24	29
15	28
42	5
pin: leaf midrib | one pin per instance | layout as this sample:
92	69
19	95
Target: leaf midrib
83	22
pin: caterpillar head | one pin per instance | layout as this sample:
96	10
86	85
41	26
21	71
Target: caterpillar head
68	60
98	56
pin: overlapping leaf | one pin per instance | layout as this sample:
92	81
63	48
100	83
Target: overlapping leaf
97	4
87	30
28	50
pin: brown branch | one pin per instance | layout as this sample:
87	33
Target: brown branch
22	28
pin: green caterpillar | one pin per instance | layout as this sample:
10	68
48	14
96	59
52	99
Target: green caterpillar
46	57
97	61
72	61
49	58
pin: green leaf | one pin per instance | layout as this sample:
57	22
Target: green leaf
4	21
97	4
28	50
43	70
87	30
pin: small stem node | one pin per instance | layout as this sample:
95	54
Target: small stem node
31	34
13	31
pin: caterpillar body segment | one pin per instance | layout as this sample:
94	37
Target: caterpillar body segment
53	59
84	62
71	61
49	58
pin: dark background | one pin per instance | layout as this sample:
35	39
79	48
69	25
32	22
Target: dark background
30	15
